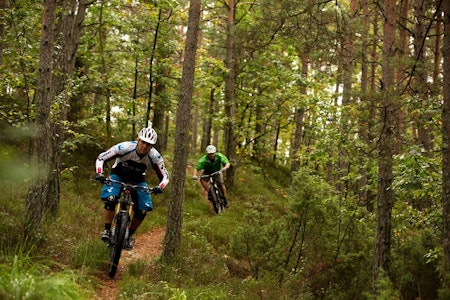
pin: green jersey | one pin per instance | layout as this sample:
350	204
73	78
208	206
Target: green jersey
211	166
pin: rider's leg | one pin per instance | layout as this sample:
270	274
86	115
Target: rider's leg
108	216
224	190
109	211
135	223
109	195
221	184
224	193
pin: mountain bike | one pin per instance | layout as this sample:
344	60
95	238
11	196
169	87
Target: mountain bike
215	195
121	222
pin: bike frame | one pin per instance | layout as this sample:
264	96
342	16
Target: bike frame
215	195
121	221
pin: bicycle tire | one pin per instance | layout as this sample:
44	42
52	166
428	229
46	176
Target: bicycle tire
222	200
117	242
218	208
212	197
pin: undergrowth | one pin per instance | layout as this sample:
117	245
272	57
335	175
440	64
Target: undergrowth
276	241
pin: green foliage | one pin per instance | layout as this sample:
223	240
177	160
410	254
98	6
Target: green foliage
385	289
275	242
417	178
261	241
416	259
299	240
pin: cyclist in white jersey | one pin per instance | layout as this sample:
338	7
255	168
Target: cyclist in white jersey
132	159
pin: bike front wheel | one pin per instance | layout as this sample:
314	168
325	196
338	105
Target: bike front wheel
117	242
214	195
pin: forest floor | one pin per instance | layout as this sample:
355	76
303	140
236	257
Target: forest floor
147	245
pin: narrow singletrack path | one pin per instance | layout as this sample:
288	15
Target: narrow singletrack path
147	245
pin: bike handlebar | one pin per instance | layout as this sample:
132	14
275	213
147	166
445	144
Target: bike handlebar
125	185
208	175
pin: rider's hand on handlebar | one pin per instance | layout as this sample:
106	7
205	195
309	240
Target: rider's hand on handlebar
195	177
157	190
223	170
100	177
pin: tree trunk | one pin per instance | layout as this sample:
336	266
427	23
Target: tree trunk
172	239
70	18
420	82
41	151
386	148
55	67
2	29
298	118
230	139
207	121
159	111
150	72
446	143
104	92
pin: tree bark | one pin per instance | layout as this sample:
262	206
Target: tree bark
230	138
172	239
42	151
446	143
298	118
2	29
150	72
61	27
420	82
386	148
207	121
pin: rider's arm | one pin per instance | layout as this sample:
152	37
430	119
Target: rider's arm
224	161
106	156
159	167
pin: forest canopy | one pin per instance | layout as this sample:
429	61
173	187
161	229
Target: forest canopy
348	98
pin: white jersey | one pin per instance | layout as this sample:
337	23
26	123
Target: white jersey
130	166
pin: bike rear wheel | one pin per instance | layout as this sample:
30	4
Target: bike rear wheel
117	242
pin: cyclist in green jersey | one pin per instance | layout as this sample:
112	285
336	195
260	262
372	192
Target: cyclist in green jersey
211	162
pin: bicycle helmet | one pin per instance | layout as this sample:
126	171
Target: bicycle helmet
148	135
211	149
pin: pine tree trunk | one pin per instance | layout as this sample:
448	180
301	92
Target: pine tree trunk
386	149
298	117
55	68
42	151
446	143
230	139
172	239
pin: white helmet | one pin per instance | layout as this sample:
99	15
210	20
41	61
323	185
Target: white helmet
148	135
211	149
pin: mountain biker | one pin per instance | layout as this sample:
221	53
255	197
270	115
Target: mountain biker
211	162
132	159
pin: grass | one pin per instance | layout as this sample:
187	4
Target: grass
24	279
75	256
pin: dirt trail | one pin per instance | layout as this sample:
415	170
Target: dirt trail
146	246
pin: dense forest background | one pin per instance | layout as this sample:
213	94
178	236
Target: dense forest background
351	99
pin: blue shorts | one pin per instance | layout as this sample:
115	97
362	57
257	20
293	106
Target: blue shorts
111	193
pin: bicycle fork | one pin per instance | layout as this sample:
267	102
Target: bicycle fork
120	210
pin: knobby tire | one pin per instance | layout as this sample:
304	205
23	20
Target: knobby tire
117	243
221	198
215	199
